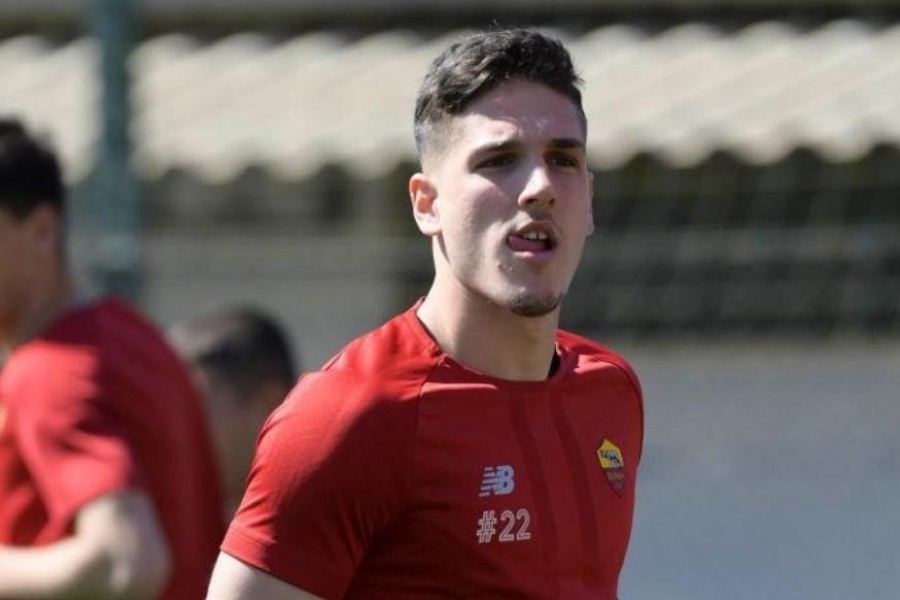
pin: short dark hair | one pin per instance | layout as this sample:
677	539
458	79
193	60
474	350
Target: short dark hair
242	346
478	62
29	172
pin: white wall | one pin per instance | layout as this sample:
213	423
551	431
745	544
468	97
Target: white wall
771	471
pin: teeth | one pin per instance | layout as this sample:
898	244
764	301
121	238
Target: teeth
535	235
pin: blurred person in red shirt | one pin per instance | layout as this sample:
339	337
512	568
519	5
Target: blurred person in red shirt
108	486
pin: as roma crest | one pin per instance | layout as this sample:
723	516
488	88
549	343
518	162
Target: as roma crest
613	465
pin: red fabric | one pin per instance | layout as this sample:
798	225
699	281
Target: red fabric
99	403
375	477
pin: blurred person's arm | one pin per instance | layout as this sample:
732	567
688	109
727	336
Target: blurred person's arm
235	580
118	550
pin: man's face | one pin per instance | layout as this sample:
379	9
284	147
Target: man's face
235	420
233	436
20	255
513	197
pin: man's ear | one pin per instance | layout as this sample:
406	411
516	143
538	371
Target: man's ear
44	225
423	195
267	397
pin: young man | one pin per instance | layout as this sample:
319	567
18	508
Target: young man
467	448
108	487
243	366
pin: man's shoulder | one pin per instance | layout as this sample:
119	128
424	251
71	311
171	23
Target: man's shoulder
384	366
591	355
86	348
398	349
108	318
40	379
582	345
95	324
47	360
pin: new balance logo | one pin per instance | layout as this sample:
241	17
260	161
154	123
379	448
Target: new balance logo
498	481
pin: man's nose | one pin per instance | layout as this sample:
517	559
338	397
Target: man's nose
538	188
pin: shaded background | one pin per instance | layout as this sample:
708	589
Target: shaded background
746	259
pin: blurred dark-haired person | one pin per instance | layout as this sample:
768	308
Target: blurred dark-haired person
108	487
468	448
243	364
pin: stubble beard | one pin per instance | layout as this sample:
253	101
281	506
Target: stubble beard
530	305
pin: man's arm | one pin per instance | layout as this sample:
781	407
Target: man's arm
118	550
235	580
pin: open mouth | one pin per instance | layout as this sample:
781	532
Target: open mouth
532	240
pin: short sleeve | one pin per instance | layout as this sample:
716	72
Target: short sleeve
66	430
329	476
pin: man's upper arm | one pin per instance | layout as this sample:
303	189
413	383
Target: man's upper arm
124	528
235	580
117	551
318	492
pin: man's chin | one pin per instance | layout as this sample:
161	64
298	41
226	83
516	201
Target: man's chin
532	305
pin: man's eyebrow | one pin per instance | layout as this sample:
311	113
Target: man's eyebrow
556	143
567	144
499	146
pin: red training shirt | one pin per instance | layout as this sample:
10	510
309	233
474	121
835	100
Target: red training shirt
99	403
397	473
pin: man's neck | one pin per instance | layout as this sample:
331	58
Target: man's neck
490	338
45	305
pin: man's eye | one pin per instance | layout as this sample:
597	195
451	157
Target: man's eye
500	160
563	160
